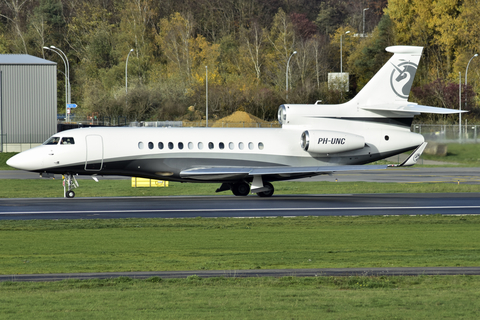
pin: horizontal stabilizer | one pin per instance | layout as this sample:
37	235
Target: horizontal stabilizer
413	108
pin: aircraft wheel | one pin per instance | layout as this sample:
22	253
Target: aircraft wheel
268	193
241	189
70	194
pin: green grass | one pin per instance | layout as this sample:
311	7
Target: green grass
45	246
45	188
4	156
421	297
466	155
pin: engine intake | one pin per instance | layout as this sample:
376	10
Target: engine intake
323	141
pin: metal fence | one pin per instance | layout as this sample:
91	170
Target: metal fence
448	133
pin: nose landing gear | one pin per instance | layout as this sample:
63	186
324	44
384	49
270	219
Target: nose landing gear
69	183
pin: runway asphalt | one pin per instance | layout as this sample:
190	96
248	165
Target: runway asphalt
240	207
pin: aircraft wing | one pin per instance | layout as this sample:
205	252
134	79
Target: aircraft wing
287	172
214	173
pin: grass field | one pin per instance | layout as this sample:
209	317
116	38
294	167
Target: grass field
181	244
421	297
45	188
4	156
466	155
62	246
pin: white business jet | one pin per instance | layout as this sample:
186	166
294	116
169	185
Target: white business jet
314	139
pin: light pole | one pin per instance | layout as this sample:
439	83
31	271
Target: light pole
363	34
126	79
206	96
67	77
466	72
286	72
126	72
460	107
68	71
341	56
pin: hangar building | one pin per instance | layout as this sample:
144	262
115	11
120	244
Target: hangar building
28	101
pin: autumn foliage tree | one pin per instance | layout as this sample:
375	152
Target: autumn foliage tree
245	44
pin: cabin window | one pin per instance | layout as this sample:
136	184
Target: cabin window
250	145
260	145
231	145
200	145
67	140
160	145
210	145
221	145
150	145
140	145
180	145
52	140
240	145
190	145
170	145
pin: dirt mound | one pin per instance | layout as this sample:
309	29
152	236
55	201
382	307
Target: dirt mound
239	119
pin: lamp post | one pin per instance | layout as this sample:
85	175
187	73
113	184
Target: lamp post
341	56
206	96
68	70
126	72
466	73
67	77
126	79
286	72
363	34
460	107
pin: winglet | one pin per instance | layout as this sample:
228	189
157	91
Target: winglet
413	158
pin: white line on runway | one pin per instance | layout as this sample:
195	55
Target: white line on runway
236	210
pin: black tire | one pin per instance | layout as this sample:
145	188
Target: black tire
241	189
70	194
268	193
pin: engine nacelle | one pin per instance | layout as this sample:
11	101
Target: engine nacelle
323	141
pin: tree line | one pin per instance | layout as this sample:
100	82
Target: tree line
244	46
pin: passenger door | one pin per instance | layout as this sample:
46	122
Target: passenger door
94	155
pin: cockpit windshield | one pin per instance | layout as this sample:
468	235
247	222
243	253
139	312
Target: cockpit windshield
52	140
67	140
56	140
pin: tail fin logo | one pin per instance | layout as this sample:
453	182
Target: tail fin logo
402	77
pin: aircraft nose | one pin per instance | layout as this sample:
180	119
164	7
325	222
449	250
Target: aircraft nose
26	160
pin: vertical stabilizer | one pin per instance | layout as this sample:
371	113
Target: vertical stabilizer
392	83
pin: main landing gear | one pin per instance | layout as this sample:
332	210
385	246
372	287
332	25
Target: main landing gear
69	183
243	188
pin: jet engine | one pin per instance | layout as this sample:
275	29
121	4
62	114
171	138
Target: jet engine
323	141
